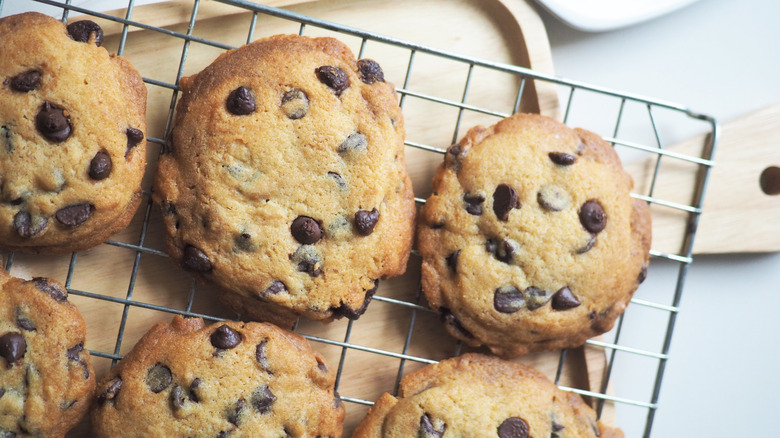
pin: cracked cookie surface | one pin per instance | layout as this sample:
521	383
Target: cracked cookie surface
285	181
227	379
72	147
481	396
531	240
46	377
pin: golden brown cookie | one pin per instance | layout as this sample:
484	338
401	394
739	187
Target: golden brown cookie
480	396
231	379
46	379
285	181
531	240
72	147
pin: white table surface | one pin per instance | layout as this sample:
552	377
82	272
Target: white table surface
719	57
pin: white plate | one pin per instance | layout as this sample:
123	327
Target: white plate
602	15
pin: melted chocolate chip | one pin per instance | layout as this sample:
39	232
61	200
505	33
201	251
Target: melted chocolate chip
508	299
6	136
295	104
370	71
427	429
333	77
111	391
24	322
355	142
263	399
27	81
82	31
452	261
235	412
54	290
261	355
505	198
12	347
588	246
276	287
178	398
241	102
195	389
52	123
74	352
592	216
27	226
354	314
100	166
564	299
513	427
365	221
308	259
134	137
306	230
535	297
338	179
193	259
225	338
74	215
555	428
474	204
562	158
504	250
158	378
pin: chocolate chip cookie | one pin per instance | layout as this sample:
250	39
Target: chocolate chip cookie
531	240
284	181
72	148
475	395
230	379
46	379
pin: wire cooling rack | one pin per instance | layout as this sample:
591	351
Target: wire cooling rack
126	284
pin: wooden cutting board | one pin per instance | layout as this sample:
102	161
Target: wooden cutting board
390	339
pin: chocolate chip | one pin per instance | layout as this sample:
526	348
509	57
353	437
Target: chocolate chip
562	158
193	259
12	347
111	391
588	246
455	155
354	314
195	389
27	81
276	287
158	378
338	179
7	137
370	71
505	250
225	338
474	204
54	290
513	427
535	297
555	427
27	226
74	215
24	322
100	166
365	221
263	399
553	198
52	123
451	320
592	216
333	77
564	299
74	352
134	137
452	261
306	230
508	299
427	429
178	398
82	31
322	366
505	198
642	274
2	392
241	102
355	142
261	355
307	259
235	412
295	103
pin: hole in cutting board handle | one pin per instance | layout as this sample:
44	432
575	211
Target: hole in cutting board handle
770	180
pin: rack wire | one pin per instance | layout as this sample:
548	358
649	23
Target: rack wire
639	129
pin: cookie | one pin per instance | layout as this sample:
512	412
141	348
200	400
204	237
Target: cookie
531	240
230	379
46	378
72	126
285	181
475	395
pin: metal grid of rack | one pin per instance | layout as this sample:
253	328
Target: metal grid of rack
629	115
